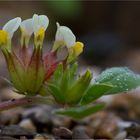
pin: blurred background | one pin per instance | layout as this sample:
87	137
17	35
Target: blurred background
110	30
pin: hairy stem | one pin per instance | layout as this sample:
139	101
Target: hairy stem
5	105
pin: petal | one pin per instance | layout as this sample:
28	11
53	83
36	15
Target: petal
27	26
78	48
12	25
40	21
65	34
35	22
75	51
3	38
43	21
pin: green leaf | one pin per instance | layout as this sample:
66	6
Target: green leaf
57	94
62	80
80	112
95	92
43	91
121	78
57	76
76	92
65	81
69	77
73	72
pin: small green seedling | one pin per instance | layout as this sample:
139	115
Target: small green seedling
53	78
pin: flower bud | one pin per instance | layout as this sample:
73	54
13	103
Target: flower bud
75	51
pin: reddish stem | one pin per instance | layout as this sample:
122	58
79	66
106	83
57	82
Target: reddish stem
5	105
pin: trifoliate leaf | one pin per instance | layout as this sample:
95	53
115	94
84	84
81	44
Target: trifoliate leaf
56	92
95	92
65	81
121	78
57	76
73	72
81	111
78	89
62	80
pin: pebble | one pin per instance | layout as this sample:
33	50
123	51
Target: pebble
124	124
23	138
15	131
62	133
130	138
39	113
59	121
126	106
44	120
6	117
94	122
108	129
79	133
121	136
133	130
7	138
43	137
28	124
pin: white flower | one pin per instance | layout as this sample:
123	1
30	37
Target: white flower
40	21
65	35
11	26
27	27
27	30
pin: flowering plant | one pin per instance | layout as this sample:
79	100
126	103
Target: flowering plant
53	78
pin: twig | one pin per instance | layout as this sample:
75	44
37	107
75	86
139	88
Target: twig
5	105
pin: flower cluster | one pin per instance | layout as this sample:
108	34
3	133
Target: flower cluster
30	72
54	74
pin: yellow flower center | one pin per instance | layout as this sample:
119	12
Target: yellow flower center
78	48
40	34
3	37
75	51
